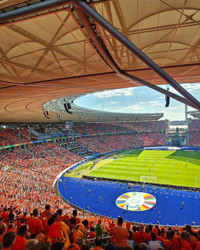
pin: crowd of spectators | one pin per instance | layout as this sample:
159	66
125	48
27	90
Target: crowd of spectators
97	128
27	174
67	229
14	136
26	177
103	144
147	133
194	133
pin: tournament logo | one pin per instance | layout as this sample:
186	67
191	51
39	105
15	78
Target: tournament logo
136	201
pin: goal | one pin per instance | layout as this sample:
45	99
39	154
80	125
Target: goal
149	179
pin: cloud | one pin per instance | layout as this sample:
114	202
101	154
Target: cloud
112	103
115	92
131	108
190	87
155	103
177	107
194	88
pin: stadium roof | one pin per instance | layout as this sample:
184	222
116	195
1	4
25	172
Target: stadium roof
51	49
195	114
80	114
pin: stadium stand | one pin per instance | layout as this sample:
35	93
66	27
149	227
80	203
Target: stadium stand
194	132
50	49
93	128
13	136
27	174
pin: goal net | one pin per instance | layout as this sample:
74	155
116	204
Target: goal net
149	179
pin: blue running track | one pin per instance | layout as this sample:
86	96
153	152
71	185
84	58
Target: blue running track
167	211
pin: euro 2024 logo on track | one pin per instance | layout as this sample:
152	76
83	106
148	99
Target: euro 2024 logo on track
136	201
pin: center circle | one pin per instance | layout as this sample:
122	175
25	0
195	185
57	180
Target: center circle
136	201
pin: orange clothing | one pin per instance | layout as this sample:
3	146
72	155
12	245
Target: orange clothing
176	237
133	236
35	225
74	247
65	218
45	213
112	226
20	243
80	231
171	244
120	236
5	216
73	235
77	220
142	237
96	248
1	238
184	245
198	245
155	230
128	226
92	235
45	216
192	241
160	238
59	232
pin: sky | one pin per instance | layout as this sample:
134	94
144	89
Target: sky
139	100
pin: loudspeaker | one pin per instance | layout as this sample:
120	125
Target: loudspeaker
46	114
167	99
69	105
66	108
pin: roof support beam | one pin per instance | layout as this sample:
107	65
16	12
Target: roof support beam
45	5
104	23
107	57
31	9
159	89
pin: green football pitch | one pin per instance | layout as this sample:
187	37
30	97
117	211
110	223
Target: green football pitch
180	168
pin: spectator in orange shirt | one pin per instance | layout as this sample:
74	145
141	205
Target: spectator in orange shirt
11	227
8	240
21	240
183	241
92	233
171	243
141	236
45	216
35	224
58	231
74	213
159	237
192	238
163	234
24	218
120	234
73	230
82	229
46	212
198	244
59	212
134	232
5	215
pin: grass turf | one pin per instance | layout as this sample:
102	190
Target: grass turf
170	167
